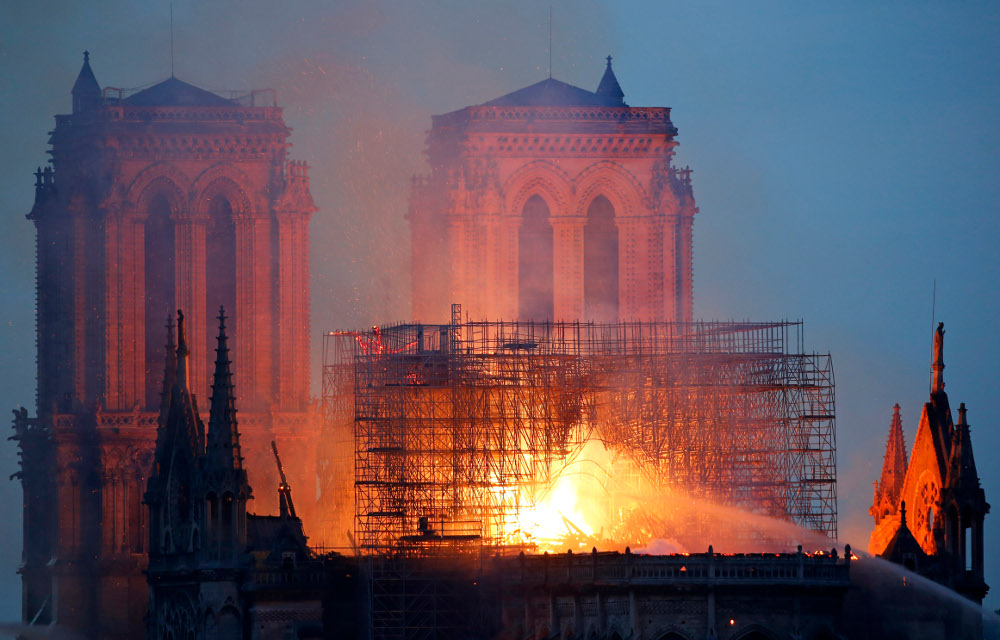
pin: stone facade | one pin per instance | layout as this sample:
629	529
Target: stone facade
929	512
676	597
216	571
170	197
553	203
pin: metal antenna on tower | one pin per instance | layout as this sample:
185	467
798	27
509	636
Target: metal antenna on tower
930	381
171	38
550	41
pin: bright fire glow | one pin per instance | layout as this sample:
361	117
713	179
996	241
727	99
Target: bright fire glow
572	510
595	499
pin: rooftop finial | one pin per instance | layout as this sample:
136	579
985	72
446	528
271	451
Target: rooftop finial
182	352
169	369
937	367
609	89
86	92
894	465
223	431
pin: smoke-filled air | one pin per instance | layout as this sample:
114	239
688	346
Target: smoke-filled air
442	319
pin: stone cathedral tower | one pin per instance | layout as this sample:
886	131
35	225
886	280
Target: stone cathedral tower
170	197
554	202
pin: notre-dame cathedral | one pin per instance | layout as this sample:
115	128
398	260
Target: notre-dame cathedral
551	202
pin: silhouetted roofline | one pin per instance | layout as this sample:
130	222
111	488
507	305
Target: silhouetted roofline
86	82
176	93
609	87
553	93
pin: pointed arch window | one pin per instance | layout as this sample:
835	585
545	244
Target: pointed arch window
600	262
535	263
220	262
159	288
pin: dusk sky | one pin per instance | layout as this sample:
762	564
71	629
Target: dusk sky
844	159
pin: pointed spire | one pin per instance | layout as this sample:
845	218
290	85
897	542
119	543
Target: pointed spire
182	353
610	89
86	92
937	367
894	464
179	441
169	369
223	432
962	471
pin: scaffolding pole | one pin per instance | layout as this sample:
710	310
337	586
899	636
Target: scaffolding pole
456	429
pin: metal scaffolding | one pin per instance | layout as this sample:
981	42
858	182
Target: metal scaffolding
456	427
335	494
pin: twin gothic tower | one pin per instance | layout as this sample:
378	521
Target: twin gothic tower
550	203
554	203
170	197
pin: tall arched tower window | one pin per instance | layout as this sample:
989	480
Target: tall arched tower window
535	275
600	262
220	264
159	289
569	145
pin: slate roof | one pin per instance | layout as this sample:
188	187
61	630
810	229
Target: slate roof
176	93
553	93
86	83
609	87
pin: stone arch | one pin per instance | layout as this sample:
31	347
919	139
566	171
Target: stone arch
179	615
161	187
671	634
194	542
226	180
163	177
609	179
212	520
229	623
601	262
114	463
136	513
754	632
221	200
223	187
536	261
541	178
227	520
158	194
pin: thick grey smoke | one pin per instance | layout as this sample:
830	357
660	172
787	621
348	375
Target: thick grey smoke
358	82
808	128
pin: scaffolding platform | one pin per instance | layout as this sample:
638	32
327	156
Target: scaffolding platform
456	427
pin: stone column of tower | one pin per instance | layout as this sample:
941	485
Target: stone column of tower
579	165
170	197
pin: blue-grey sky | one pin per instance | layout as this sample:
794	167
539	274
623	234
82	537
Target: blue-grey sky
843	152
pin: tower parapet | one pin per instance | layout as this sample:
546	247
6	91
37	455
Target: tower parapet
554	203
